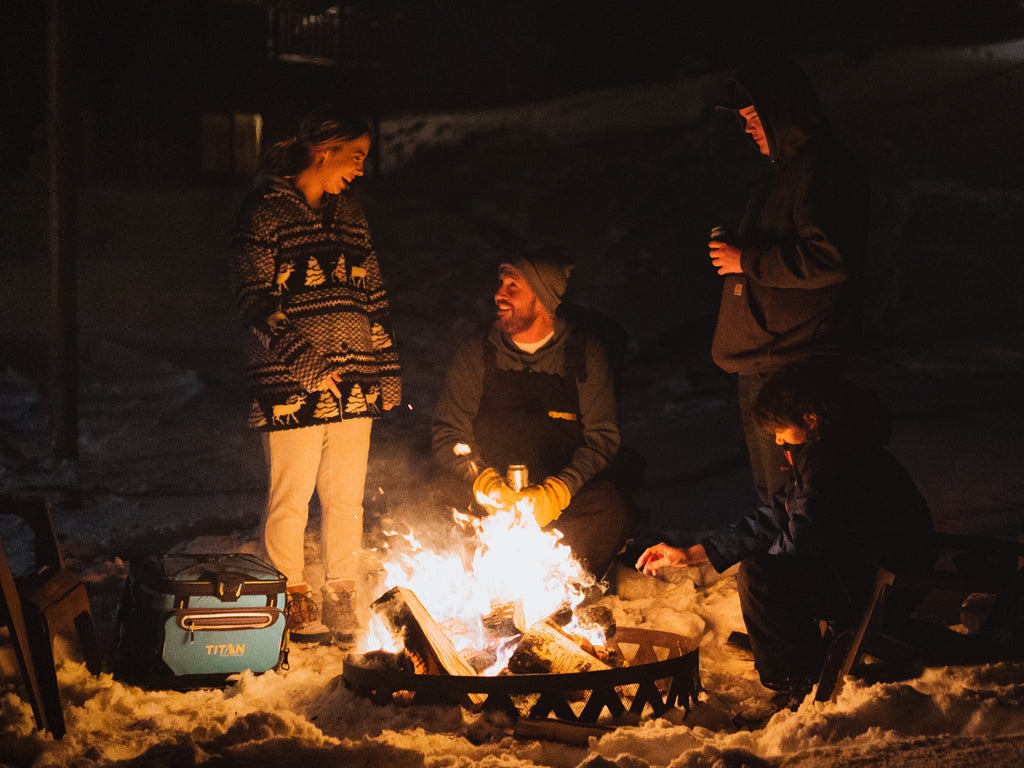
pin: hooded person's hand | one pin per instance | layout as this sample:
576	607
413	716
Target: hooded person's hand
549	499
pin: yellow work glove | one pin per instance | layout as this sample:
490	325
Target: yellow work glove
491	491
549	499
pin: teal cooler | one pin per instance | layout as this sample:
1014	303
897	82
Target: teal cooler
192	620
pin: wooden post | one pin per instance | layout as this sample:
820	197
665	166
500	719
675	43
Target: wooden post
63	345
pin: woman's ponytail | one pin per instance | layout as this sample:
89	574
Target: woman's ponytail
320	128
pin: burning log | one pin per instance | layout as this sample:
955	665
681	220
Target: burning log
431	651
596	617
547	649
504	620
596	634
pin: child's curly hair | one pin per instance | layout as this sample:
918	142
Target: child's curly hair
793	392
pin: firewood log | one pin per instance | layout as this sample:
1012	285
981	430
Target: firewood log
504	620
593	623
596	617
409	622
546	649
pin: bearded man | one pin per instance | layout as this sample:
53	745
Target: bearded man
535	390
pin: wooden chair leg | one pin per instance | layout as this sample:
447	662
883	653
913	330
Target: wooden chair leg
845	649
37	632
88	642
75	614
15	621
63	600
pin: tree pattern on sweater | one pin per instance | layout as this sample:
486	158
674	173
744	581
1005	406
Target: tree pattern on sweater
303	326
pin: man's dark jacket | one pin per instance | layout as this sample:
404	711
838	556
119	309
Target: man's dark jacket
850	507
802	236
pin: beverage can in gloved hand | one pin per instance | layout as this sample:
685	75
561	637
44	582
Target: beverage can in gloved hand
517	477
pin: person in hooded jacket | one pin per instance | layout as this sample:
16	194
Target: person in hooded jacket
322	362
792	269
849	508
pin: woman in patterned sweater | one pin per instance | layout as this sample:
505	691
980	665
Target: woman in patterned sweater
322	358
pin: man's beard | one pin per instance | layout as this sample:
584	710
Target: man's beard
513	323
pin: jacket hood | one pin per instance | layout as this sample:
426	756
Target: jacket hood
548	359
785	100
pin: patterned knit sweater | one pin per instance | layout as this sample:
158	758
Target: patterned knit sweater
310	293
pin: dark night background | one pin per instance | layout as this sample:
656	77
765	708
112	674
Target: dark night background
153	215
141	77
140	72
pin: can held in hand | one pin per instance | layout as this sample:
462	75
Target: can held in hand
517	477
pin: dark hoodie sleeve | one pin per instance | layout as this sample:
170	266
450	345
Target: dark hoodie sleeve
754	533
807	525
456	410
810	220
600	421
807	253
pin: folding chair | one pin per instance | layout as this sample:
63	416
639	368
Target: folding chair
966	565
38	605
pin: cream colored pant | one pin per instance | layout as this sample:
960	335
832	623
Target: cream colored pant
331	460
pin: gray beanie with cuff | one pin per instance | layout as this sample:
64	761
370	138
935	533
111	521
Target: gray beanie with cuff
547	276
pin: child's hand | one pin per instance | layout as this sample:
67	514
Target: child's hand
657	557
661	555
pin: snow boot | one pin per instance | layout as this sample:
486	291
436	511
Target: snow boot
302	617
339	612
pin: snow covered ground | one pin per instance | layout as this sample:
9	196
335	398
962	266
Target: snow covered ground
632	180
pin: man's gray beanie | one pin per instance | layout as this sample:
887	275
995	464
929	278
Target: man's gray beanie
547	276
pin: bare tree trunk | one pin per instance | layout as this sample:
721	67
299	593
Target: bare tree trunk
63	346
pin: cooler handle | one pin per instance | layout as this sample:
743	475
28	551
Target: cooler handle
226	620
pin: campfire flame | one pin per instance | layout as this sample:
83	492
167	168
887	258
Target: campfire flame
505	558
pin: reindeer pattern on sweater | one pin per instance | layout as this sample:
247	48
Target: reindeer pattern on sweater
309	289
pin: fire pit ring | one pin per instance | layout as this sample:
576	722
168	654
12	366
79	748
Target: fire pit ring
663	672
